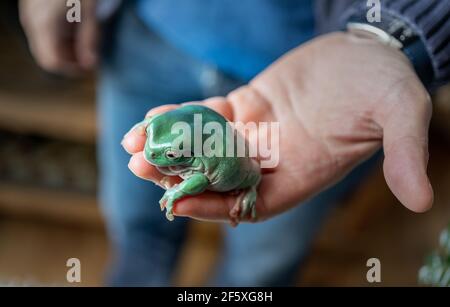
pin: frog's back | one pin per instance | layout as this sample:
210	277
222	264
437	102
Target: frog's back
224	172
186	113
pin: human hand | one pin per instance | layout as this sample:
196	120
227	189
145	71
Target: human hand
58	45
338	99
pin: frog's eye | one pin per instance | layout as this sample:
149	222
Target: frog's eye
170	154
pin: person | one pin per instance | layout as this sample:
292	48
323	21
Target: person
339	95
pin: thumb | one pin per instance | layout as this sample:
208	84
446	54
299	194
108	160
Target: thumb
405	142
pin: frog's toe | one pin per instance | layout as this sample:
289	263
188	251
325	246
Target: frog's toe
169	210
162	205
245	205
163	199
254	215
169	216
249	204
235	212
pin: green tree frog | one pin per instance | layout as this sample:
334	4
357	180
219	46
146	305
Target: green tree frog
221	168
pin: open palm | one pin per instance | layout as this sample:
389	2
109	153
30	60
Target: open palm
338	99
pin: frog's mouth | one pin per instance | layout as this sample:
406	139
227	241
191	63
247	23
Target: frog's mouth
171	170
180	170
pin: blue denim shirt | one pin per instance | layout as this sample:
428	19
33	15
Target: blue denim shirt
281	20
240	37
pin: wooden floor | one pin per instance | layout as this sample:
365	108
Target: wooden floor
35	253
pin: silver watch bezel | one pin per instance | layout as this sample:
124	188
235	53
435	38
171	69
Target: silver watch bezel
377	33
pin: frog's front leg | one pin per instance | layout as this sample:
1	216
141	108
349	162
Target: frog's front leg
193	185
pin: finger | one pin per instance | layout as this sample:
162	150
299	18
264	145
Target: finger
215	207
162	109
252	106
87	37
208	206
49	36
405	142
218	104
134	140
145	170
54	55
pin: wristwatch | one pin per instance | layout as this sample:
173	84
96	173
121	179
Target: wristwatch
397	33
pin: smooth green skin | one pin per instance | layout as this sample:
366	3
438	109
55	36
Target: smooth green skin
219	174
436	271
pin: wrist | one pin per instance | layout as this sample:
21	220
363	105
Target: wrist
396	33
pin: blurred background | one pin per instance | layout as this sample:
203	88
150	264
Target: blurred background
49	211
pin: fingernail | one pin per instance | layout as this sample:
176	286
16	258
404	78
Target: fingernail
140	130
122	143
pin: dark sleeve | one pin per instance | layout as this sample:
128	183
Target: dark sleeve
429	18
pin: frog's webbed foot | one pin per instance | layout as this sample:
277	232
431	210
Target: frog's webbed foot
193	185
245	205
168	200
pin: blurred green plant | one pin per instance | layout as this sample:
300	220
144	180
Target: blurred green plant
436	271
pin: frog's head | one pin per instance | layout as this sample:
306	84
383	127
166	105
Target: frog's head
160	149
